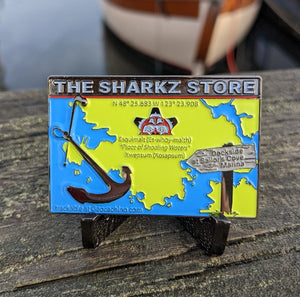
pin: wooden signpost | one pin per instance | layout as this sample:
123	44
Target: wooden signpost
224	159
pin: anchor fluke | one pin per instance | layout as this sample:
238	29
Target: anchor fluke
116	190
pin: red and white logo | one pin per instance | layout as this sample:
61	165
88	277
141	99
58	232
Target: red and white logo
155	124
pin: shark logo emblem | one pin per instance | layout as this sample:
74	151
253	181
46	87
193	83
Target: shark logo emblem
155	124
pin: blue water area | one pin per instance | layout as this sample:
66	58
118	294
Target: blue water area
229	111
81	176
196	188
251	177
195	198
82	129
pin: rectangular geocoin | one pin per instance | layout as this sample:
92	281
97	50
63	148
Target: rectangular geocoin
154	145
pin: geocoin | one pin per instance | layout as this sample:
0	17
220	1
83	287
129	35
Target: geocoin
177	145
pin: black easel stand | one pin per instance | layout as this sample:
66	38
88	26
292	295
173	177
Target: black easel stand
211	232
95	228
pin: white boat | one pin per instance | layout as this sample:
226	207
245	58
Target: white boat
189	34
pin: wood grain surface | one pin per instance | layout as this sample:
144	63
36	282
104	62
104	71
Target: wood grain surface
41	253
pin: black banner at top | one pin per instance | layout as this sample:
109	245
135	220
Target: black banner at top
203	86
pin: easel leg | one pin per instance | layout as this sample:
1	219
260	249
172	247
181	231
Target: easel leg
95	228
211	233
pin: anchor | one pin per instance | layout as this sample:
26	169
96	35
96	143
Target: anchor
116	190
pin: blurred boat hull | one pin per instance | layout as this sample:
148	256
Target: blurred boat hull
189	34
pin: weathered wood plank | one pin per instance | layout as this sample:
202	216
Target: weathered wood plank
186	274
85	261
22	103
62	234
